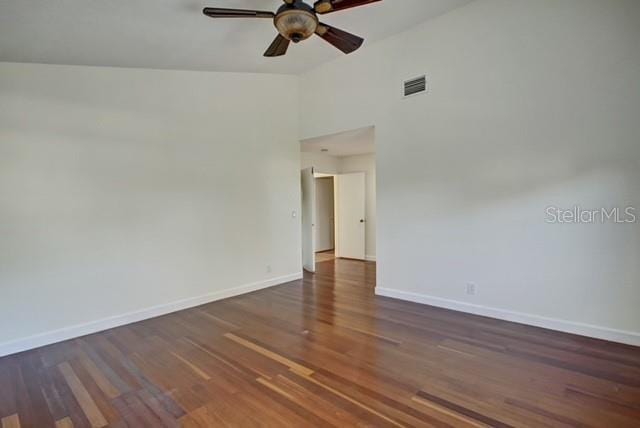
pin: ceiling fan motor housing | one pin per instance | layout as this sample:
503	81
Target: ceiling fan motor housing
296	22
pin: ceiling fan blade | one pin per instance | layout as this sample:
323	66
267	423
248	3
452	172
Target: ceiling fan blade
278	47
342	40
328	6
220	12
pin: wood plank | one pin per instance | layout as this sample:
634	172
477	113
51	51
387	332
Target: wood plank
269	354
81	394
353	401
64	423
471	415
31	381
12	421
197	370
100	379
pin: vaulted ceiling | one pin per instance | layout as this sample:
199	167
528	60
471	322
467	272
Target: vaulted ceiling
173	34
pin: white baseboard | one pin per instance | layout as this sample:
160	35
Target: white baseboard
72	332
598	332
370	258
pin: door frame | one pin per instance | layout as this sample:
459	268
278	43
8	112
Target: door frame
307	219
336	208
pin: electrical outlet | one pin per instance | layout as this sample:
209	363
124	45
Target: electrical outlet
268	268
471	288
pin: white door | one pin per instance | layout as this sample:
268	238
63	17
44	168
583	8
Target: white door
308	219
350	213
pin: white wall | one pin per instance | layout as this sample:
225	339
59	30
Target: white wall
122	190
532	103
321	162
367	164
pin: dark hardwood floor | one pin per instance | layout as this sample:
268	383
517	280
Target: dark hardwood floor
320	352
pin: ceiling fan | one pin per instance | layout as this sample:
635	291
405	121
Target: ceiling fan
297	21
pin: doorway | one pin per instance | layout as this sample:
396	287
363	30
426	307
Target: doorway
339	198
325	242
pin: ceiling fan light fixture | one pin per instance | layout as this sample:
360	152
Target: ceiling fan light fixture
296	25
323	6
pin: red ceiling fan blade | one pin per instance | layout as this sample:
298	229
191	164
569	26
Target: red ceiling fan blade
342	40
328	6
278	47
220	12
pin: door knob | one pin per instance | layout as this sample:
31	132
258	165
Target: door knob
361	220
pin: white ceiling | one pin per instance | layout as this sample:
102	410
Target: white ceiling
173	34
357	142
